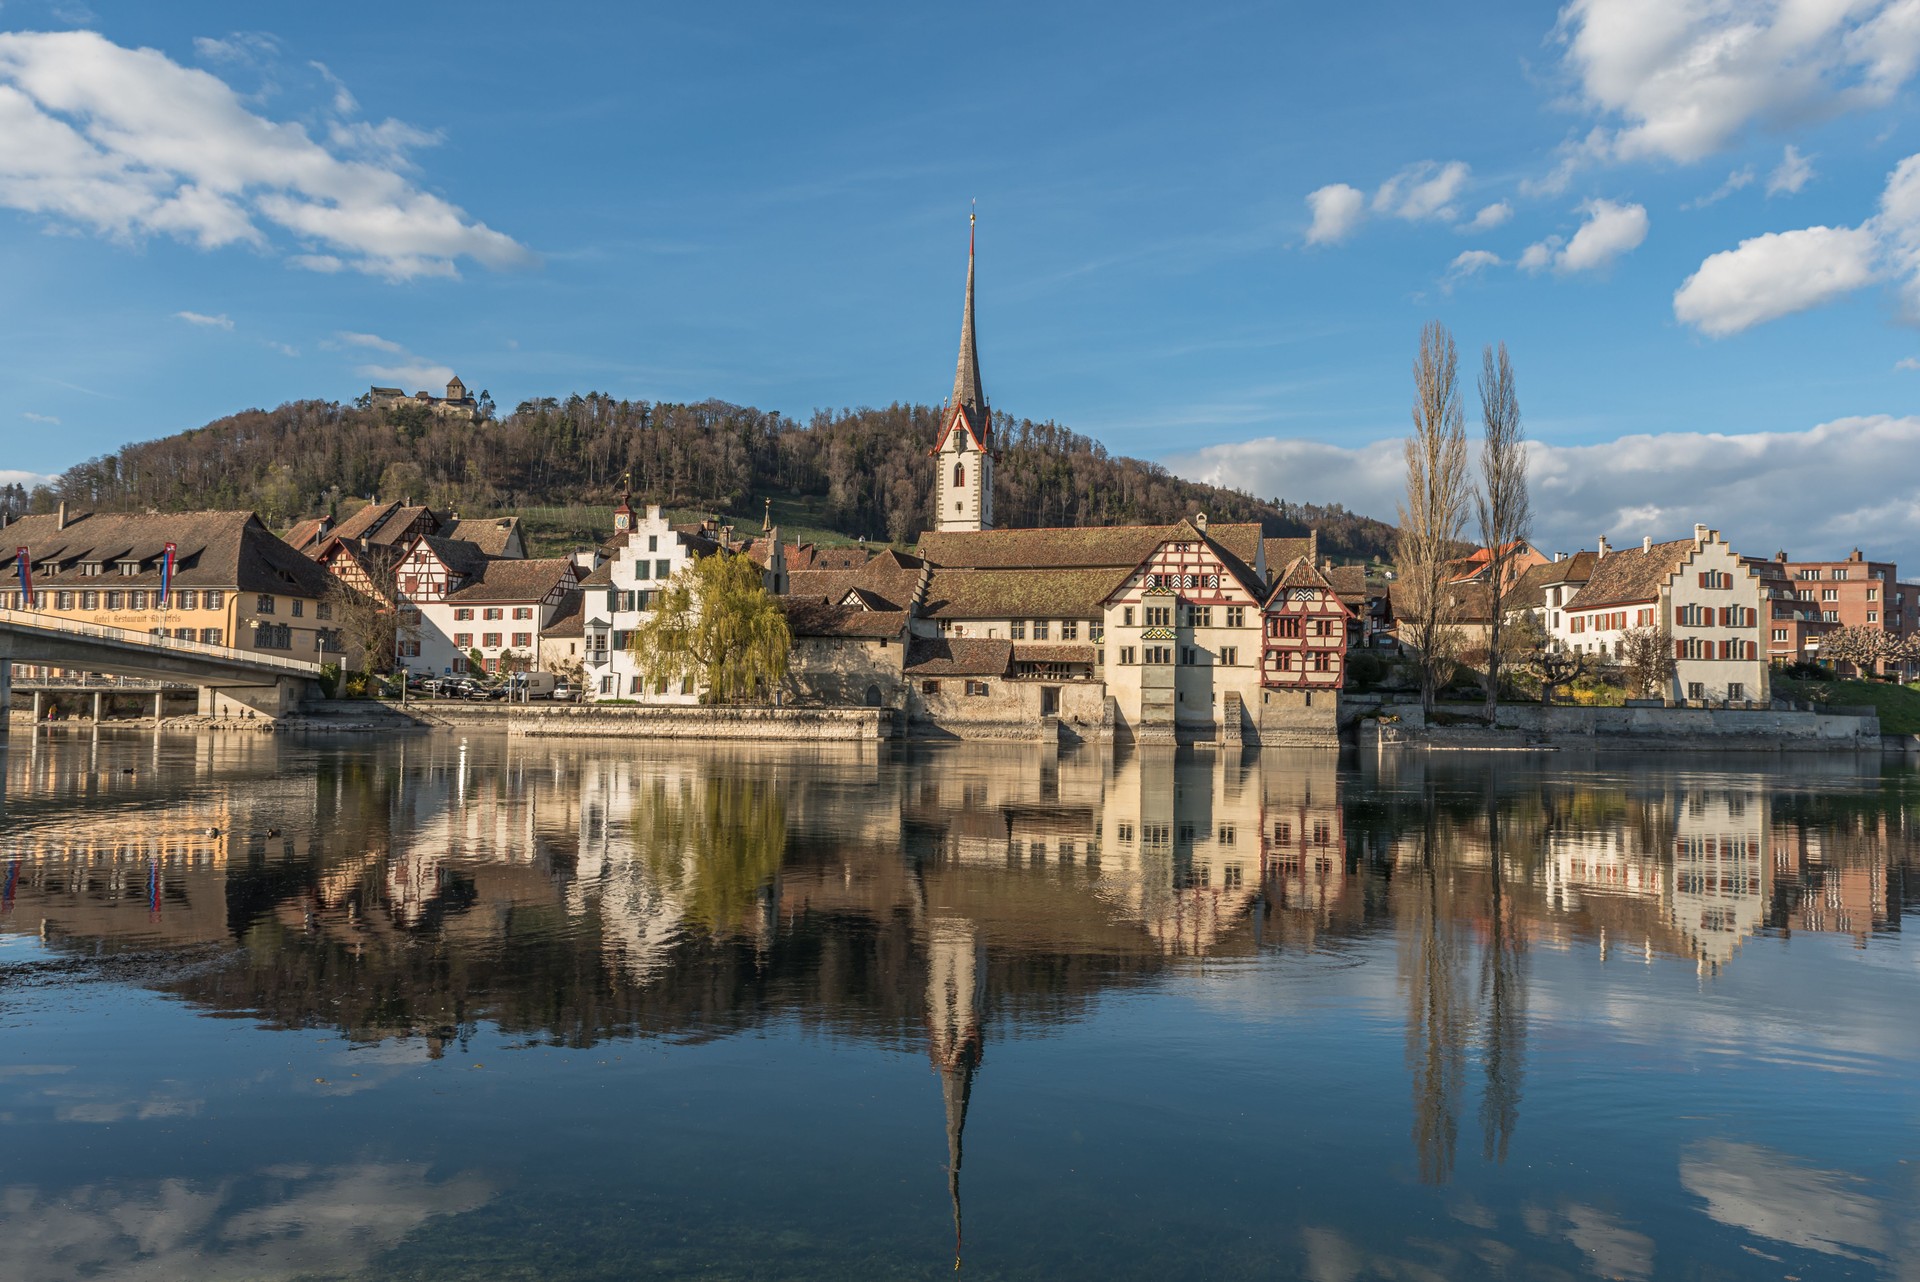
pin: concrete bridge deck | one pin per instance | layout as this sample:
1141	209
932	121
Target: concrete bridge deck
229	680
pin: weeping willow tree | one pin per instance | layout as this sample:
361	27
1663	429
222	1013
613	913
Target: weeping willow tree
715	624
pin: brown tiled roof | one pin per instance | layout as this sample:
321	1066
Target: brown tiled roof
958	657
491	534
1300	573
1529	591
384	523
1350	582
846	556
1631	575
570	620
812	617
826	585
212	550
1284	552
1471	601
1020	594
1054	652
305	534
1075	547
461	558
514	580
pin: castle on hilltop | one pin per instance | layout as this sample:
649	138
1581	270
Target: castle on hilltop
457	403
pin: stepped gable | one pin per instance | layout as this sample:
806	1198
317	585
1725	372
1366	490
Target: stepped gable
958	657
814	617
491	534
1631	575
514	580
211	549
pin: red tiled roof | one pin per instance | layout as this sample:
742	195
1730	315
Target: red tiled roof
515	580
958	657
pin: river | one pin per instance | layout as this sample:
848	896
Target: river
459	1006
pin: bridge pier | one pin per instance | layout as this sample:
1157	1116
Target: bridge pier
39	705
6	694
159	706
99	703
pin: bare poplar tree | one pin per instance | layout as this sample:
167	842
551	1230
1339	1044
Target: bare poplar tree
1434	510
1506	514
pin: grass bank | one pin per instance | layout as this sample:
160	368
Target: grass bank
1898	706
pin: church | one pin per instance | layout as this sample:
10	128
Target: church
1155	633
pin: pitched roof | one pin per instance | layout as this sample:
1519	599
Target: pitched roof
570	620
812	617
1052	652
1472	602
491	534
304	536
1529	591
384	523
1299	574
1350	582
1631	575
958	657
459	556
503	579
1078	547
824	585
1020	594
1284	552
211	549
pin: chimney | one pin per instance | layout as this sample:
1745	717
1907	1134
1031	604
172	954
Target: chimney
60	518
1200	522
1558	557
1699	532
1601	549
1646	543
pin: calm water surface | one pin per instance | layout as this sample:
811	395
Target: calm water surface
446	1007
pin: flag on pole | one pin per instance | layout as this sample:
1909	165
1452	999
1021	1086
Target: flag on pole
166	575
24	561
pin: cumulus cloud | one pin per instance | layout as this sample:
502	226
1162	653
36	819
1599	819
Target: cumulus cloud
1609	230
285	349
127	143
374	341
1423	190
1337	210
1682	79
1470	263
201	318
406	372
1791	174
1775	1196
1657	484
1489	217
1774	275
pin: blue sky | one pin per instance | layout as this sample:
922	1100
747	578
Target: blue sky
1208	235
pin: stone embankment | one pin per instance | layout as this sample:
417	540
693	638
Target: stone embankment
618	721
1635	729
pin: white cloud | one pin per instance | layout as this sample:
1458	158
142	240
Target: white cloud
1681	79
1775	1196
1469	263
1773	275
1337	210
1736	181
409	373
1791	174
127	143
1904	363
285	349
1610	230
31	417
1657	484
1423	190
201	318
246	47
1489	217
374	341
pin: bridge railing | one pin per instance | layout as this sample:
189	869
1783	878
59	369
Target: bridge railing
44	622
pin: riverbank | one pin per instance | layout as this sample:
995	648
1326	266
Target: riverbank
1634	729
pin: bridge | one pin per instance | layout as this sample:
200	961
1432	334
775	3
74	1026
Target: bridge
231	682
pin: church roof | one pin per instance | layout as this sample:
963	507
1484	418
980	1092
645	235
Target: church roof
969	394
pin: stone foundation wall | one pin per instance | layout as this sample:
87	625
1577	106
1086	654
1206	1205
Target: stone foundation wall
1677	729
590	721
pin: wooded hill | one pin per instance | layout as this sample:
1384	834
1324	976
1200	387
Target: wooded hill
863	473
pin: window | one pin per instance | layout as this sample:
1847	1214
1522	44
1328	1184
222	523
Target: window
1736	692
212	636
523	612
493	665
63	600
1126	654
137	600
1096	632
491	612
1039	629
1126	616
409	584
129	568
1322	832
1069	629
116	600
1017	629
1873	594
1840	574
663	569
1229	655
1236	616
408	649
523	638
1830	616
976	687
1199	616
263	604
959	475
1809	574
183	634
272	636
1159	616
1718	579
1123	832
462	614
1829	594
489	640
1287	627
606	684
1323	662
1159	654
1186	655
89	568
653	543
213	599
1779	634
464	640
1873	616
189	600
1282	831
299	608
929	687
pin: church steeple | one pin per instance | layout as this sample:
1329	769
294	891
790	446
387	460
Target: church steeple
964	495
968	392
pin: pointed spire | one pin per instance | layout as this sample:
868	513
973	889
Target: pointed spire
968	392
766	522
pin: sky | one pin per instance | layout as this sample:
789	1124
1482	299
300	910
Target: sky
1208	235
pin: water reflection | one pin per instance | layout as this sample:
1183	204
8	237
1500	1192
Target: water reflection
933	902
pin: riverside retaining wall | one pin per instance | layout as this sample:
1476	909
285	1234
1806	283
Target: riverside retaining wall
616	721
1638	729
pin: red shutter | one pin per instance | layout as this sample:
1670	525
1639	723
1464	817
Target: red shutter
1679	649
1724	646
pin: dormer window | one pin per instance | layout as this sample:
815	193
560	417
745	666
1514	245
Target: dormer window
129	568
89	569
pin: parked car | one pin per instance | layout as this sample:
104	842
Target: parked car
531	685
482	694
564	693
453	687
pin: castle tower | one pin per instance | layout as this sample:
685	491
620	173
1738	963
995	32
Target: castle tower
963	452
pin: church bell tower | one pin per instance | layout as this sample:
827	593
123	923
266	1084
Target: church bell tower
963	453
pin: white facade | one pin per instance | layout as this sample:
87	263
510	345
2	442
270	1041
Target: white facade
453	605
965	490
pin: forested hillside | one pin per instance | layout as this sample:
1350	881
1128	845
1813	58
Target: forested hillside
866	471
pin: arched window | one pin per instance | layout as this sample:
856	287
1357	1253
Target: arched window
959	475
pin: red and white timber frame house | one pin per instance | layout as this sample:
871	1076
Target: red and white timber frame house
1304	645
964	447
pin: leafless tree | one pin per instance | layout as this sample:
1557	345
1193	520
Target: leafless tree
371	626
1646	660
1434	510
1556	668
1506	514
1866	649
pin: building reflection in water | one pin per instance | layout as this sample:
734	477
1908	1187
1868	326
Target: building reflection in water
571	895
